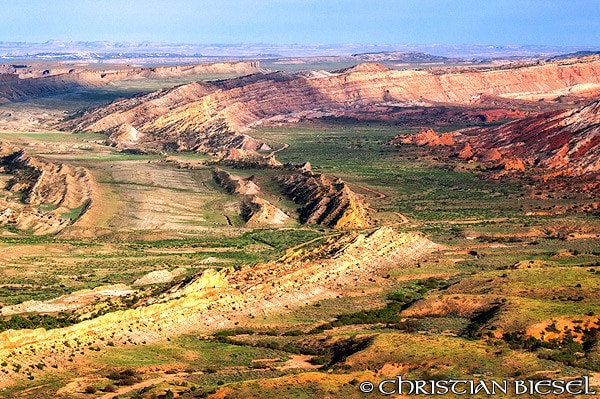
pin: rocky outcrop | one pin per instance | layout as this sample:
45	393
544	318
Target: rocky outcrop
326	201
558	143
235	184
259	212
41	182
426	137
45	182
563	141
215	116
216	300
256	211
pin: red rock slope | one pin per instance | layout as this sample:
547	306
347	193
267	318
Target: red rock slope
217	116
564	142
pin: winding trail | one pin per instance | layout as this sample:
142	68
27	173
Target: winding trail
272	154
379	194
401	216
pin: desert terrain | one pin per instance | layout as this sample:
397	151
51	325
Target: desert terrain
296	226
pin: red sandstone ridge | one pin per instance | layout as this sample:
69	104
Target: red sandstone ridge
202	116
561	142
556	143
426	138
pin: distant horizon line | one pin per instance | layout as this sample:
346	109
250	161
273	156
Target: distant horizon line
85	49
138	42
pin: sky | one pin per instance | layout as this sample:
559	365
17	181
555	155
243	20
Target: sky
496	22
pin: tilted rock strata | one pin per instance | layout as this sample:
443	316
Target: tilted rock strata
327	201
42	182
217	300
564	141
216	115
557	143
259	212
46	182
235	184
256	211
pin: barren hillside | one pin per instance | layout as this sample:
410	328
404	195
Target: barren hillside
201	117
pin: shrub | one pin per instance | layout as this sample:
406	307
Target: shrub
89	389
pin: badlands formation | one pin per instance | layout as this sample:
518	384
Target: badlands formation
218	115
40	183
307	255
564	143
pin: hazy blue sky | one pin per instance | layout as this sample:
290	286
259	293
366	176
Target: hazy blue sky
551	22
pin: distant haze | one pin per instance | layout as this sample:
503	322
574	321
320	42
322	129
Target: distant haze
498	22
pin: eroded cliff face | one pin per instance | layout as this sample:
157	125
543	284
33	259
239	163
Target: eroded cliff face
327	201
41	182
204	116
564	143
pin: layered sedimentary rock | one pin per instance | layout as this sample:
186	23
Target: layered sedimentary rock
259	212
235	184
256	211
217	115
557	143
326	201
216	300
565	142
25	82
42	182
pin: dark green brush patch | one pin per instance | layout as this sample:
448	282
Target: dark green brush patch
18	322
389	314
564	350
